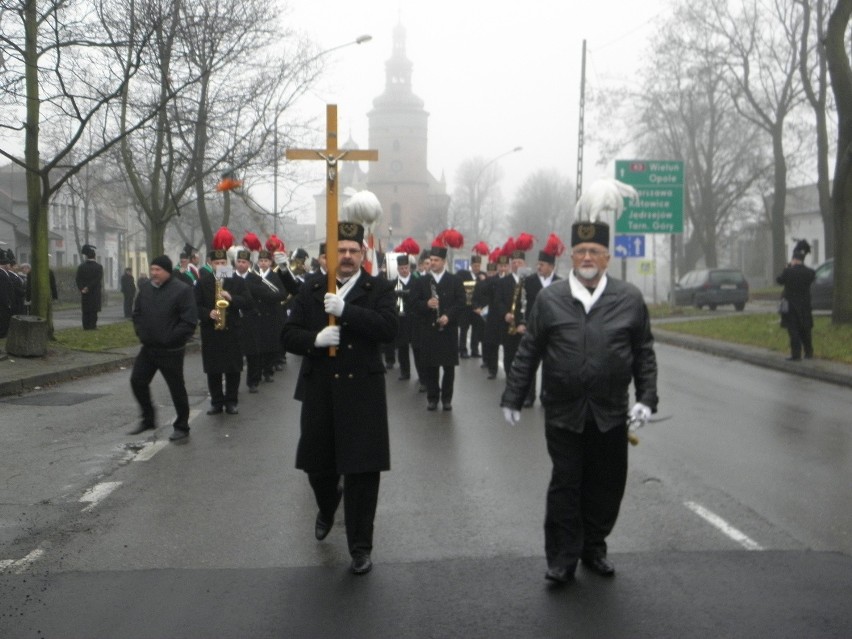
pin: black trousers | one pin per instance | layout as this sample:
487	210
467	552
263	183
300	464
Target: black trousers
800	336
584	496
90	320
230	396
360	497
170	364
128	306
442	390
491	356
477	330
259	365
465	321
403	357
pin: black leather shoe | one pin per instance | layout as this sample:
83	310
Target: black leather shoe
600	565
279	367
141	428
474	353
178	435
403	378
361	564
492	375
322	528
448	407
268	378
231	410
559	575
464	355
216	410
252	389
432	406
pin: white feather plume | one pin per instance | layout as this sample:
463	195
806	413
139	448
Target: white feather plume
604	196
363	207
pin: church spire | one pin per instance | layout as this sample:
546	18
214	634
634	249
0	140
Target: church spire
398	71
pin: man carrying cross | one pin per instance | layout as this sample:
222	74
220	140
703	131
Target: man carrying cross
344	422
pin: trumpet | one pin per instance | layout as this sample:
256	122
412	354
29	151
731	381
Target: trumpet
221	305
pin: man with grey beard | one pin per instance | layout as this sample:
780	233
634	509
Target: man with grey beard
593	336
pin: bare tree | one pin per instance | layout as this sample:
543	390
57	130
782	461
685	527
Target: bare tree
841	196
61	72
477	202
241	88
544	204
813	68
688	114
762	57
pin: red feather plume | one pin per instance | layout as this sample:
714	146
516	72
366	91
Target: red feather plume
275	245
524	242
252	242
495	254
453	238
408	245
439	240
224	239
480	248
228	184
508	247
554	246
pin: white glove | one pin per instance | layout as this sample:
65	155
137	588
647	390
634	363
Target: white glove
511	415
639	414
333	304
280	257
329	336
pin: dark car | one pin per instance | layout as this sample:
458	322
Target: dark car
822	288
712	287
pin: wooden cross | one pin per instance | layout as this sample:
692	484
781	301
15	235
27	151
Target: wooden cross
332	155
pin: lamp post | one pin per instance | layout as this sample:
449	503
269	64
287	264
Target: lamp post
361	39
476	203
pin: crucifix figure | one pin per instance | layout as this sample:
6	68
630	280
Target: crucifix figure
331	155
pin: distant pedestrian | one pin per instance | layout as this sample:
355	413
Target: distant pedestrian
797	319
128	290
164	318
592	336
90	280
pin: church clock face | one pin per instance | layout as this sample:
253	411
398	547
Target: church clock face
396	166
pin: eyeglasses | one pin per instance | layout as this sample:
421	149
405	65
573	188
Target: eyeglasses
590	252
350	251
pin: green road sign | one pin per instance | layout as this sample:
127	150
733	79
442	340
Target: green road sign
660	187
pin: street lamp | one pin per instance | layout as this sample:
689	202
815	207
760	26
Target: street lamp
476	204
361	39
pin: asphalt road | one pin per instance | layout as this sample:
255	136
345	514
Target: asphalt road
737	519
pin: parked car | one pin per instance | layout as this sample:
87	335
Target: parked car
712	287
822	288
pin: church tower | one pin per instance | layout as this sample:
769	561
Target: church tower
414	203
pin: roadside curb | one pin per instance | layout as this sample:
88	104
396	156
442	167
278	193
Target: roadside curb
820	370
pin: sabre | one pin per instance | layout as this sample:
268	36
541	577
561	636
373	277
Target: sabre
635	424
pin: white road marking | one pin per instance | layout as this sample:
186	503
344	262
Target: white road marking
18	566
733	533
98	493
150	449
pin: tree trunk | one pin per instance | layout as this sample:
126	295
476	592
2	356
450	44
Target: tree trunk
779	201
841	82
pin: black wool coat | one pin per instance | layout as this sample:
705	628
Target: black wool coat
220	350
90	275
438	347
344	419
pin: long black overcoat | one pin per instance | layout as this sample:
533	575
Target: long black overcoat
220	350
262	324
90	275
344	420
438	347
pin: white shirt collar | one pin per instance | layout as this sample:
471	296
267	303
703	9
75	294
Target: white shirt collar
438	276
580	292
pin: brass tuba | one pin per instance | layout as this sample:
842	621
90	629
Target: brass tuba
221	307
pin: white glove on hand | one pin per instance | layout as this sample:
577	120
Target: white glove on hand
280	257
639	414
511	415
329	336
333	304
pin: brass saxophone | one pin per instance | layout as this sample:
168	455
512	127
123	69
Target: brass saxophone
221	307
519	303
